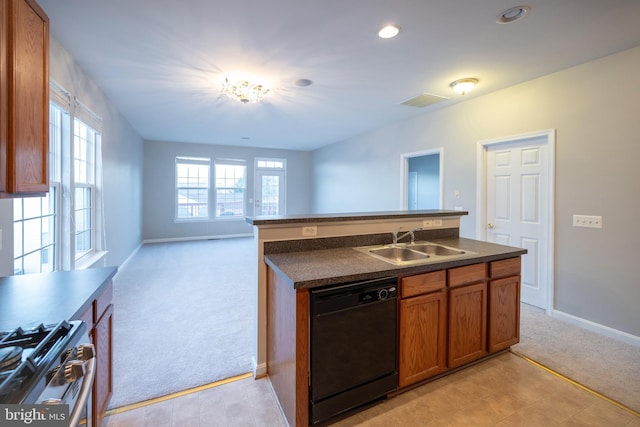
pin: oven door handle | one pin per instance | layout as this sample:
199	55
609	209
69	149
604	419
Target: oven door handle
85	392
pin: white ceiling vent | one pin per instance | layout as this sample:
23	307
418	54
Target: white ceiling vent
424	100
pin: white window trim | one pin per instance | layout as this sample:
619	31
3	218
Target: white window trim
232	162
194	161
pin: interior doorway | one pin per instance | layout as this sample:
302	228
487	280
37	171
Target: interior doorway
422	180
515	205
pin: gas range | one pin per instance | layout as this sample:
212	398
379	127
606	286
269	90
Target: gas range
50	365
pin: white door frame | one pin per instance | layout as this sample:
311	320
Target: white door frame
481	199
404	172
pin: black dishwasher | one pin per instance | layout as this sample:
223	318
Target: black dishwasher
353	346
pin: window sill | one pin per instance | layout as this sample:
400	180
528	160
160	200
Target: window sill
90	260
223	218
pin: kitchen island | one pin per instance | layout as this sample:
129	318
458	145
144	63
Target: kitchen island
27	301
300	254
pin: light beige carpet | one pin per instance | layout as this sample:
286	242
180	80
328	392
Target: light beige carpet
184	316
605	365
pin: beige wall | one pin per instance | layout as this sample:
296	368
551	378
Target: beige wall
597	120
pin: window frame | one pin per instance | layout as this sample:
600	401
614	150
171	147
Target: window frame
89	184
196	161
58	131
236	163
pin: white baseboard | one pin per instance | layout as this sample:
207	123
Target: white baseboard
260	370
596	327
129	258
188	239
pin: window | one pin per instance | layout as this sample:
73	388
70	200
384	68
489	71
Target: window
270	164
40	245
34	234
230	188
192	187
35	219
84	162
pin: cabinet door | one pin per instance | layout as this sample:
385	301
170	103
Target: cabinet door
103	385
423	323
467	323
504	313
24	96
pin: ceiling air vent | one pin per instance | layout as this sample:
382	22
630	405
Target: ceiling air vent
424	100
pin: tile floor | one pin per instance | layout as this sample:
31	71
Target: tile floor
503	391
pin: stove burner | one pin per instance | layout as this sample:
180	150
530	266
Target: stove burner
10	357
27	355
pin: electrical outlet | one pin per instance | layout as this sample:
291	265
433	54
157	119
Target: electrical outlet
588	221
309	231
427	223
437	223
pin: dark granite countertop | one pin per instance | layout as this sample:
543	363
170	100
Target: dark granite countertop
310	269
32	299
355	216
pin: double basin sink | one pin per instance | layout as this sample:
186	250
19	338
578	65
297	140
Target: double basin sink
412	253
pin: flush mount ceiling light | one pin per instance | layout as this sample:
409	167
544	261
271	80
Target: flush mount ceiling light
512	14
389	32
464	86
244	91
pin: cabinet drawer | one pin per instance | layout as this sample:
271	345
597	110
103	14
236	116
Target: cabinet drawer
422	283
467	274
505	267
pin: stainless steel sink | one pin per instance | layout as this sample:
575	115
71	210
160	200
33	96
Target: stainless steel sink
433	249
413	253
399	254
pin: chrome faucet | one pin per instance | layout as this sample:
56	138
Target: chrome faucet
408	233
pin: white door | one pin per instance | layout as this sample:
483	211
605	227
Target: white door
519	200
269	193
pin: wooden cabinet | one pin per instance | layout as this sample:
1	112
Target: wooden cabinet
448	318
467	314
423	327
24	99
99	320
504	304
103	387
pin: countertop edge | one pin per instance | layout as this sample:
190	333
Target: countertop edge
28	300
345	217
97	292
379	269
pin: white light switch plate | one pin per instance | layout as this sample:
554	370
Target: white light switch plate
587	221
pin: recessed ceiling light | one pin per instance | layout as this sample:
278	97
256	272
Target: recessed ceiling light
303	82
512	14
389	31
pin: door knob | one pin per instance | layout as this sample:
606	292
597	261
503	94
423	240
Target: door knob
489	225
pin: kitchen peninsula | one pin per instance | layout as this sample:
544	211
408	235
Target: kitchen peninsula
298	255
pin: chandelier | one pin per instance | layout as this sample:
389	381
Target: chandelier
244	91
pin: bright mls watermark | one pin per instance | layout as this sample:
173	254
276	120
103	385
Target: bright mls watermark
34	415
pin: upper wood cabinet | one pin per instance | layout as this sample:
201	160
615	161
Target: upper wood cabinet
24	99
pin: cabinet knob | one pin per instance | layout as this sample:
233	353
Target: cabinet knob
490	226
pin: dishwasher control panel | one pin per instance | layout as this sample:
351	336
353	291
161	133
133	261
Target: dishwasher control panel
377	294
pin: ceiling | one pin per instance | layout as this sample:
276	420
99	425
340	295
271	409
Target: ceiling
160	61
